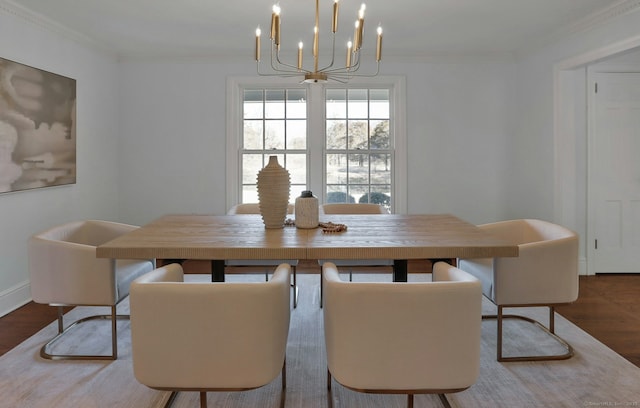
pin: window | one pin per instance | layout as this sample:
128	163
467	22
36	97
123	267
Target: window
344	143
358	146
274	123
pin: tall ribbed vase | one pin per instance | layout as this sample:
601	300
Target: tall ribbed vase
273	193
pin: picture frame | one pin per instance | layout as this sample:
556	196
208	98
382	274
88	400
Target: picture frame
37	128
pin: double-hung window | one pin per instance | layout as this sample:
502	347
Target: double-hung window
344	143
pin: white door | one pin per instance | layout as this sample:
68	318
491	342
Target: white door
614	174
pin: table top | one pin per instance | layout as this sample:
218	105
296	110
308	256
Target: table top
368	236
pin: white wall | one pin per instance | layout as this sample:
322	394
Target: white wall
96	192
459	119
540	185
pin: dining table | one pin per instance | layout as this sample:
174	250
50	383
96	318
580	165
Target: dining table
397	237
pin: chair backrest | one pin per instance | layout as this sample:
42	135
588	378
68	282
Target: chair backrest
252	208
63	267
546	269
403	336
353	208
208	336
525	231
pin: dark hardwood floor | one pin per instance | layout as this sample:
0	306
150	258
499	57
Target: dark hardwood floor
608	308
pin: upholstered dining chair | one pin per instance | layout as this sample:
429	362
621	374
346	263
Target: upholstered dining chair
206	337
354	264
64	271
544	274
267	264
403	337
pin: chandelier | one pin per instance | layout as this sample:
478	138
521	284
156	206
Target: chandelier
334	70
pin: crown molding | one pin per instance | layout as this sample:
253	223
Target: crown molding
44	23
599	17
595	19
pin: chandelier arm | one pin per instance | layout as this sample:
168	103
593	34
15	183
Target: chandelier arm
277	68
277	73
344	70
333	55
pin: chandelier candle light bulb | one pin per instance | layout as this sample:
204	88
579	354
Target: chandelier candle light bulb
275	20
379	45
258	34
300	56
361	25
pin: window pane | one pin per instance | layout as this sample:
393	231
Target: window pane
338	194
336	134
274	134
336	105
379	103
253	104
378	195
274	106
358	135
336	165
380	168
358	169
251	165
358	104
252	136
296	104
249	194
296	134
359	193
297	166
379	135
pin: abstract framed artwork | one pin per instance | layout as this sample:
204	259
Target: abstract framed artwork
37	128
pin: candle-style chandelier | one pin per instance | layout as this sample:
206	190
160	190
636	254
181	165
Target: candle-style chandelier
334	70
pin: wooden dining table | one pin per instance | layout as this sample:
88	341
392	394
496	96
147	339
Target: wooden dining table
394	237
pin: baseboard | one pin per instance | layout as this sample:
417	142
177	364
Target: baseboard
582	266
14	297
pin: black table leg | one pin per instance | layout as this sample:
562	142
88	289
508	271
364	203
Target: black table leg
399	270
217	270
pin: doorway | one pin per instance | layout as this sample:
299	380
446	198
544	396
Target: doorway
614	172
570	142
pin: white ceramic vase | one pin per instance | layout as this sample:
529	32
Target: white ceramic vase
306	210
273	193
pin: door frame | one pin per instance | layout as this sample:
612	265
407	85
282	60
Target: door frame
567	203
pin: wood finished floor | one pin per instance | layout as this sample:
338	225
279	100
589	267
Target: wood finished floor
608	308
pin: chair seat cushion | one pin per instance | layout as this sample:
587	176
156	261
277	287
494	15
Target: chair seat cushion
482	269
127	271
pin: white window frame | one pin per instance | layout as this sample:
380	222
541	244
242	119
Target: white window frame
315	123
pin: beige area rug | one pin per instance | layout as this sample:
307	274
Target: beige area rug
595	377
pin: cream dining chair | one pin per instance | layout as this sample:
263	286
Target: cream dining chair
64	271
354	264
403	337
267	264
209	337
544	274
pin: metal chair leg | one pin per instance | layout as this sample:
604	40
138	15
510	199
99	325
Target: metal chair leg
550	331
444	400
44	351
172	398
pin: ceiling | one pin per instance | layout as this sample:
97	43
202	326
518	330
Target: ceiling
139	28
